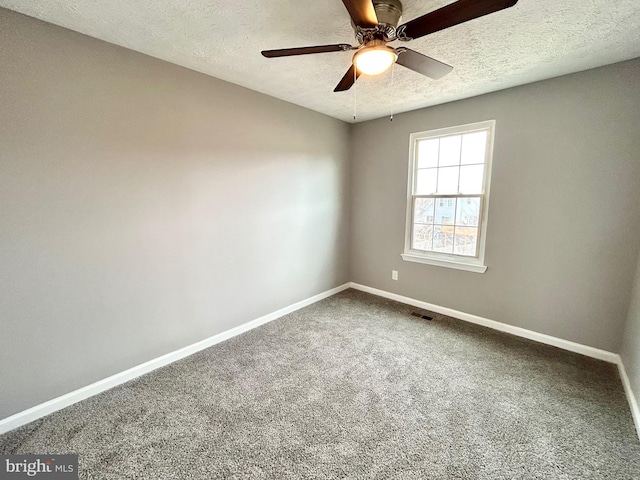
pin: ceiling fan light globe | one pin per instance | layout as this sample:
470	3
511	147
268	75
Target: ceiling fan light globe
374	60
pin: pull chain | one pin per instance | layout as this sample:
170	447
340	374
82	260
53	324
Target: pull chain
393	91
355	92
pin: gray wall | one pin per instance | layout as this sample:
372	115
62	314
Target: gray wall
564	213
146	207
630	352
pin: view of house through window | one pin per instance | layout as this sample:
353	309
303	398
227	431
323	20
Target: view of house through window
448	188
453	228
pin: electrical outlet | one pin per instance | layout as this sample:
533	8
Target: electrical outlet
394	274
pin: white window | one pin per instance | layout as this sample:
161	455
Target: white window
448	196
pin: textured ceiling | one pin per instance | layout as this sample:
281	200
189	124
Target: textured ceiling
534	40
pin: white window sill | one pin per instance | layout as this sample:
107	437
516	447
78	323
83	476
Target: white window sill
470	267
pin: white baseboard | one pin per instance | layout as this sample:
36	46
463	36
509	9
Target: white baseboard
635	409
503	327
43	409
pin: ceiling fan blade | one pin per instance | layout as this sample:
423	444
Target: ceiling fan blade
362	12
348	80
287	52
450	15
420	63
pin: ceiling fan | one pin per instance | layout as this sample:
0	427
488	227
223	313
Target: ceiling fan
375	23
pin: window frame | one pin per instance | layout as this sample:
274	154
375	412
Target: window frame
450	260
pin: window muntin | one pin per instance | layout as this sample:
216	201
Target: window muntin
448	194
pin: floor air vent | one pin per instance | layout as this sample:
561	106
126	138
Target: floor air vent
418	314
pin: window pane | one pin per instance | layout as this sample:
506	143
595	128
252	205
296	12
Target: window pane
474	147
468	211
448	179
426	181
443	238
428	153
423	210
471	177
445	210
466	240
450	150
422	237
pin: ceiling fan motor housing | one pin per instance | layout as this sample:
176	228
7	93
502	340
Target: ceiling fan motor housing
388	13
